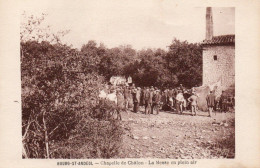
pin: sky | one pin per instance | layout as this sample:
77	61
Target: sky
139	23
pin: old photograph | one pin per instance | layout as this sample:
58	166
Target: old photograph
116	81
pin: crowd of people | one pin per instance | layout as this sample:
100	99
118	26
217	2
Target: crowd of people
178	99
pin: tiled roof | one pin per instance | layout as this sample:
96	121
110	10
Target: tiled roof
220	40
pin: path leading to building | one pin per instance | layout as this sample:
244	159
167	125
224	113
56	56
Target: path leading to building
170	135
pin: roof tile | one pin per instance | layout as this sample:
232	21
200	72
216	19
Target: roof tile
220	40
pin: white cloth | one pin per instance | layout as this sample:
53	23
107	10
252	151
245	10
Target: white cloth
180	97
129	80
217	87
117	80
102	94
112	97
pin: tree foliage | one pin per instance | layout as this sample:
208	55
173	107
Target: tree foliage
185	61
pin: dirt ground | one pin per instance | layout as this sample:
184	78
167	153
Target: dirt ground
169	135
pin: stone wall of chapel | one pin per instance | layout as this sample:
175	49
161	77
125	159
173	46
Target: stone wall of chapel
221	69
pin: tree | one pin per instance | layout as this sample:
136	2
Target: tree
117	60
32	29
185	61
150	69
91	58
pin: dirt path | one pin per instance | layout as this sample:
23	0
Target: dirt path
170	135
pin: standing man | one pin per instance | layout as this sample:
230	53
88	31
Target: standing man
146	100
174	93
156	101
179	102
223	102
186	96
138	98
170	97
193	99
135	100
166	96
126	97
151	99
142	97
164	100
120	103
211	102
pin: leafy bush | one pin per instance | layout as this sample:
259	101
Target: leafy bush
104	110
56	97
93	139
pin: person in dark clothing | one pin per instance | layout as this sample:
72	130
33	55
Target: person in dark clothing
151	92
211	98
174	93
135	100
229	103
156	101
142	102
147	101
223	102
186	95
164	100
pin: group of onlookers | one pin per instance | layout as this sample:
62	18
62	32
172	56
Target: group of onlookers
128	96
224	103
174	99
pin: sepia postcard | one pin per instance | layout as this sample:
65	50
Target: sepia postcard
120	83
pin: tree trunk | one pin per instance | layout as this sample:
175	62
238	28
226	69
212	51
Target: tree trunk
46	137
24	153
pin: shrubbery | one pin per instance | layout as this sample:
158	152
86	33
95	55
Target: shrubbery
59	101
94	139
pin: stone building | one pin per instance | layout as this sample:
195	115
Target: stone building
218	56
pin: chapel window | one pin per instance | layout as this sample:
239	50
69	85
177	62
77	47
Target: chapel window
215	57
